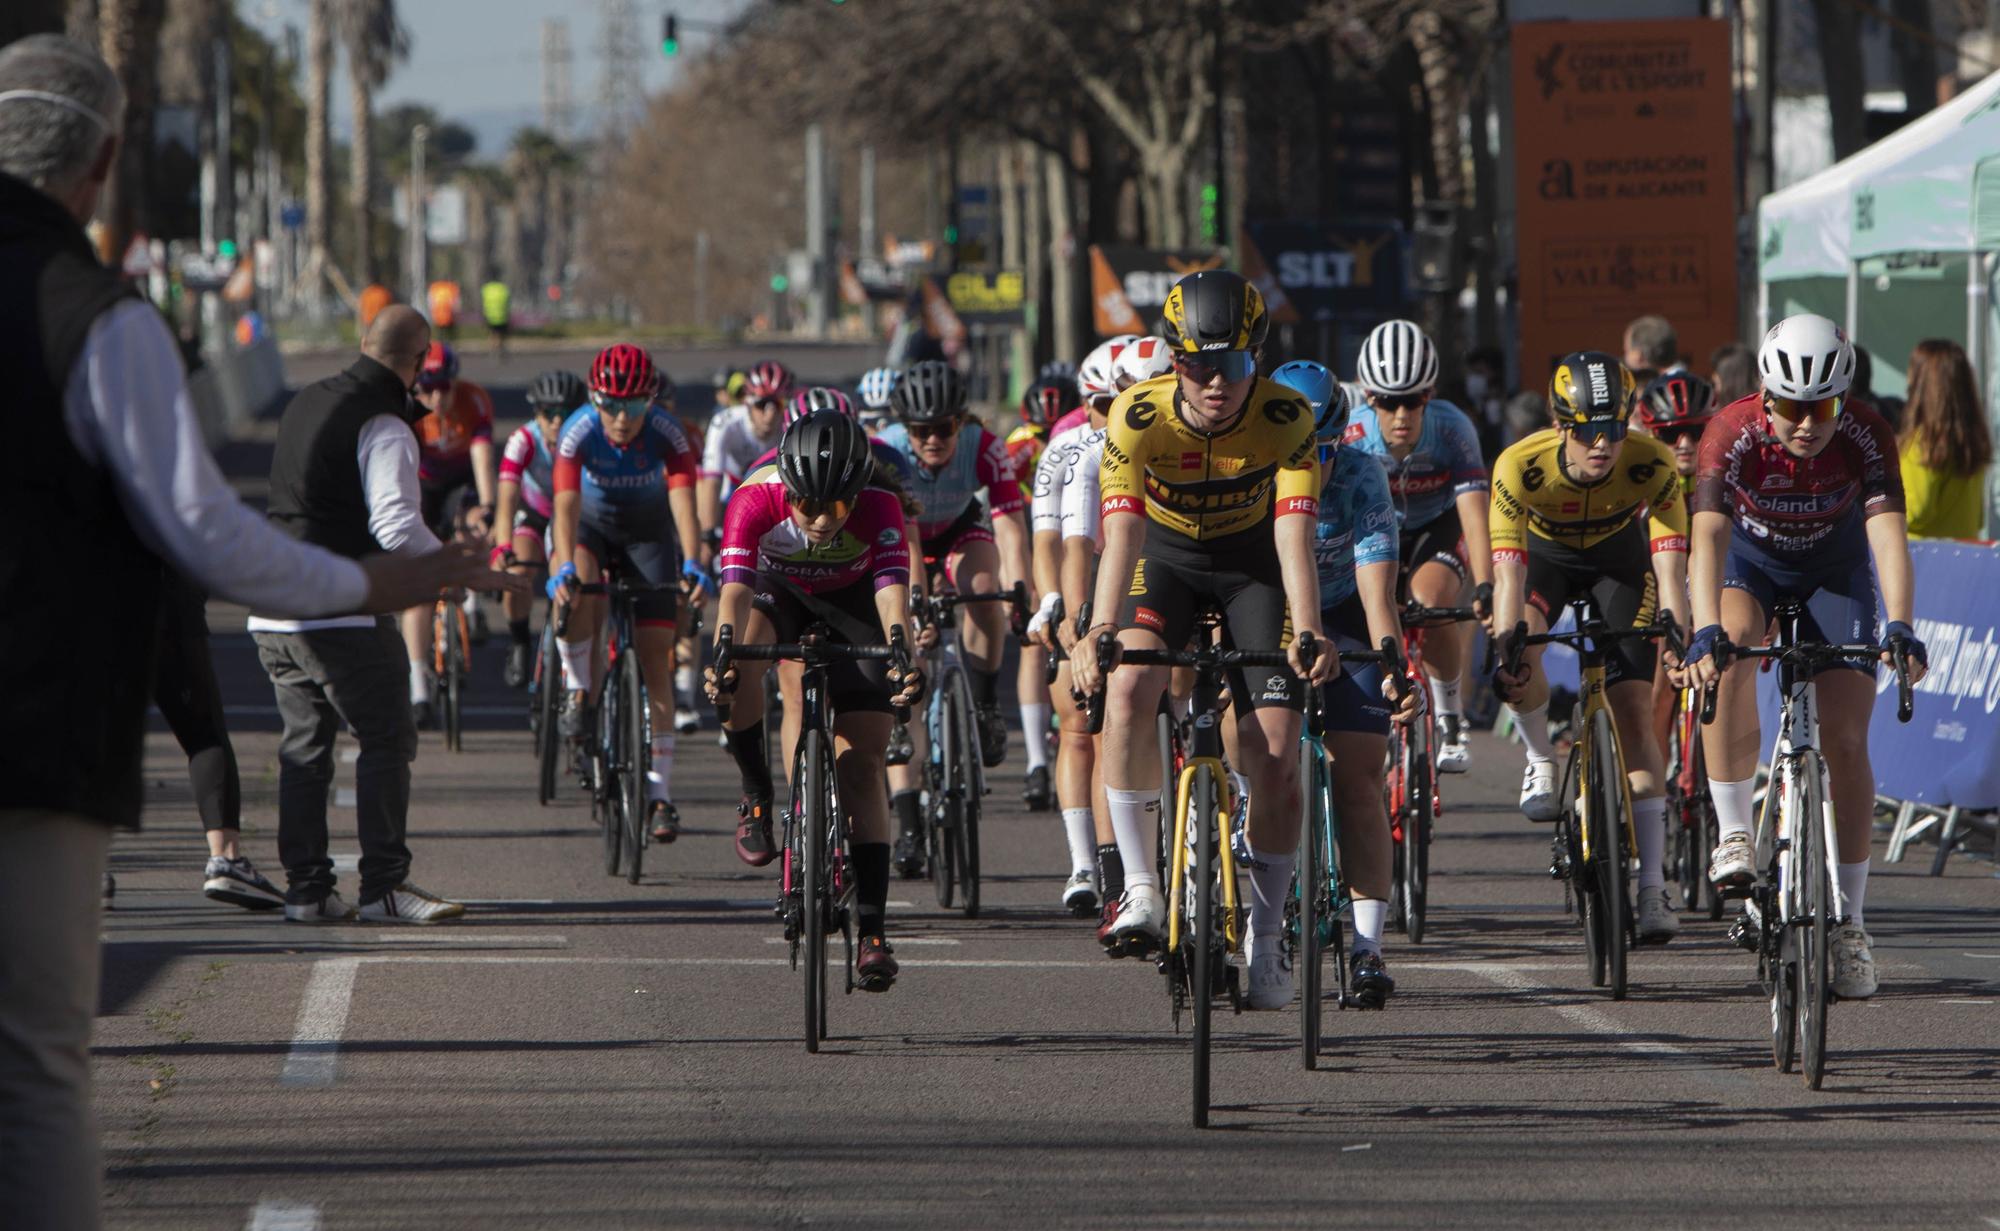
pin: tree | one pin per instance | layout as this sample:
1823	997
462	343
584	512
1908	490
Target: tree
129	34
1841	66
375	41
20	18
319	152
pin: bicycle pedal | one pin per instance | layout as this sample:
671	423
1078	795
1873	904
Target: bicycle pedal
1743	935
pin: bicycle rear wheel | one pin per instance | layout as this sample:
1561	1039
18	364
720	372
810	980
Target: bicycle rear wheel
1420	811
1395	788
635	750
548	739
1608	856
815	792
965	784
1201	966
1816	900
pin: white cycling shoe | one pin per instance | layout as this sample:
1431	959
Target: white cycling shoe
1734	864
1658	923
1853	963
1453	756
1139	930
1538	791
1271	983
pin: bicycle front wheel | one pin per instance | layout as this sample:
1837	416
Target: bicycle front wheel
453	683
635	750
1608	856
965	767
1395	791
815	880
1201	967
608	794
548	740
1420	811
1309	875
1815	899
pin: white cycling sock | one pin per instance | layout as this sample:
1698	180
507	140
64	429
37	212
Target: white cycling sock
1135	819
686	680
1370	914
1082	839
471	604
576	661
1270	884
1649	826
1853	888
420	682
1445	698
1735	806
1534	728
1035	732
661	773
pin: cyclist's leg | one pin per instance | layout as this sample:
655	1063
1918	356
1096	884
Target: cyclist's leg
1627	597
1357	733
1267	702
1435	559
1156	612
743	729
975	569
861	731
655	560
791	685
1732	742
1548	588
1842	611
1075	763
435	499
578	643
1028	677
529	561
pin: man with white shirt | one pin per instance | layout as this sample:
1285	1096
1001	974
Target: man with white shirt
344	477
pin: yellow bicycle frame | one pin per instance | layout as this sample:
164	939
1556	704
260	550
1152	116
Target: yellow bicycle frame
1232	925
1593	703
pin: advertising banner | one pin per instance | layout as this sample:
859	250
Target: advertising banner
1129	285
1625	177
1320	270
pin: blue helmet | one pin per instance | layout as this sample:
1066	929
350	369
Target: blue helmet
1327	395
875	387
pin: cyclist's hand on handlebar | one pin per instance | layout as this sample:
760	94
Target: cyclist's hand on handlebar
718	687
1084	669
927	637
1041	625
1482	604
909	684
1901	636
1405	710
1325	664
500	558
562	584
1707	655
1509	685
695	579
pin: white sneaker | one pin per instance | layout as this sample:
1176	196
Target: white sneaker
408	904
1538	791
1453	757
1853	963
1271	985
330	909
686	722
1734	864
1139	930
1079	896
1658	923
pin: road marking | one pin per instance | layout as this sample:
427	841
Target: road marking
283	1216
506	901
484	959
346	861
343	797
1991	957
1366	1145
747	903
899	941
416	935
322	1020
470	711
1966	1002
1583	1015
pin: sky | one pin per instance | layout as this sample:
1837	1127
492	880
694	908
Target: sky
479	61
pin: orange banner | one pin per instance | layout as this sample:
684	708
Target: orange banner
1625	185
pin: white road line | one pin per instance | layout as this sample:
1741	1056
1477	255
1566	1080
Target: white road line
1991	957
470	711
896	942
322	1020
746	903
1583	1015
1968	1002
506	901
343	797
283	1216
1366	1145
462	936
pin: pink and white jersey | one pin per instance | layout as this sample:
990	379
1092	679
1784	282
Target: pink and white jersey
760	537
528	461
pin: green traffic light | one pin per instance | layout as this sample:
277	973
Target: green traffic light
780	283
951	235
670	46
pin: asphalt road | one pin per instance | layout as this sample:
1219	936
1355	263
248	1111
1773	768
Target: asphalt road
578	1052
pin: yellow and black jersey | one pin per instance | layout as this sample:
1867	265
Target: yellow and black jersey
1208	485
1534	492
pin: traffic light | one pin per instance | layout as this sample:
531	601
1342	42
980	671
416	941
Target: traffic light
670	37
780	283
1210	222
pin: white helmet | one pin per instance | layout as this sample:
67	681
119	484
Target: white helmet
1095	376
1806	358
1144	359
1397	358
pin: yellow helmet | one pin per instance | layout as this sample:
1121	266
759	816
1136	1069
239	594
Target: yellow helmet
1214	309
1591	387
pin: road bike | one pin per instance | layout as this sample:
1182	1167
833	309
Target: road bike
816	884
545	712
451	635
621	751
1796	902
1593	847
1692	827
1411	782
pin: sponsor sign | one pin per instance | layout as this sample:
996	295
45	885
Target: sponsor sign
988	299
1128	285
1319	270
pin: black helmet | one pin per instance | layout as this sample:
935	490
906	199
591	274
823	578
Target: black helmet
557	389
1590	386
825	456
1214	309
929	391
1056	370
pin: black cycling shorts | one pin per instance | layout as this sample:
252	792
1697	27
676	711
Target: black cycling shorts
1618	574
1838	592
443	500
856	687
969	527
649	554
1443	540
1175	578
1353	699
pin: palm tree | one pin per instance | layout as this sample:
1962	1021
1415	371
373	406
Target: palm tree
319	152
375	42
534	161
129	38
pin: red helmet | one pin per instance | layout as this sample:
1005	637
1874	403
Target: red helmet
817	398
440	367
1048	400
769	379
623	371
1676	400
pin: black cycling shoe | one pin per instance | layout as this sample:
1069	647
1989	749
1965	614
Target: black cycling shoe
1371	982
900	749
909	856
992	736
520	662
1036	794
875	968
575	719
753	832
666	821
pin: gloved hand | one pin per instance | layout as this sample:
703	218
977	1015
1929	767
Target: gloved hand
559	581
1909	635
1702	644
698	575
1051	602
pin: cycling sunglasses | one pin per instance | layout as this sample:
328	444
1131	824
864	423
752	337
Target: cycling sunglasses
1231	365
1674	435
427	383
1594	430
621	408
1389	403
813	510
934	429
1795	410
768	404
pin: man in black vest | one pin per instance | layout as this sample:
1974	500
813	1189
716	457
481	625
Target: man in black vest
344	477
105	476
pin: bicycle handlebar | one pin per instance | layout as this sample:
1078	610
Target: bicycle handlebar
1815	654
1415	616
811	649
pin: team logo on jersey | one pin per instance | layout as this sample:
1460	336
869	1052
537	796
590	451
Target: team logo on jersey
889	537
1140	415
1149	618
1642	472
1191	461
1138	578
1229	465
1533	477
1284	410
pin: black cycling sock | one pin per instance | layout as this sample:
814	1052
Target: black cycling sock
1110	871
518	630
985	686
909	808
871	885
747	746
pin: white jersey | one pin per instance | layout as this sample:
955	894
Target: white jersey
1053	476
1080	507
732	447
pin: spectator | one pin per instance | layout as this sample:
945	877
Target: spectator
1944	445
120	481
1527	413
1486	395
344	477
496	304
1733	372
1863	390
1651	348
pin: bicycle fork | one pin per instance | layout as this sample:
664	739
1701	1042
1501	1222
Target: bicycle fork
1183	804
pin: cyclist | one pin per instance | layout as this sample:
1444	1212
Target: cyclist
527	490
1041	406
1430	450
1796	488
1198	466
872	391
455	467
1354	545
1058	370
822	547
1675	407
624	480
1568	507
737	439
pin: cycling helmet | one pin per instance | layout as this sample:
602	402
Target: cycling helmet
1591	387
1806	358
1095	377
664	389
825	456
623	370
557	389
1678	399
1046	401
1327	395
811	401
1214	309
929	391
440	367
769	379
1396	357
876	384
1056	370
1145	359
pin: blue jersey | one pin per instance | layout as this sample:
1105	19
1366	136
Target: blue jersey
980	463
1444	465
1357	525
623	489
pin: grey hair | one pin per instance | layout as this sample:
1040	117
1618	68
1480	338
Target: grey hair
45	142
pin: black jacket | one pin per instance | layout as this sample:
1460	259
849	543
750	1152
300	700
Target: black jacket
316	490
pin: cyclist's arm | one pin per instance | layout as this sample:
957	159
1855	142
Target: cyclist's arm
995	470
483	467
1079	554
1048	561
1889	543
502	531
1478	543
1010	535
1507	531
1670	568
708	502
1708	548
1667	517
1470	486
733	609
1124	532
1296	505
567	499
1376	584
